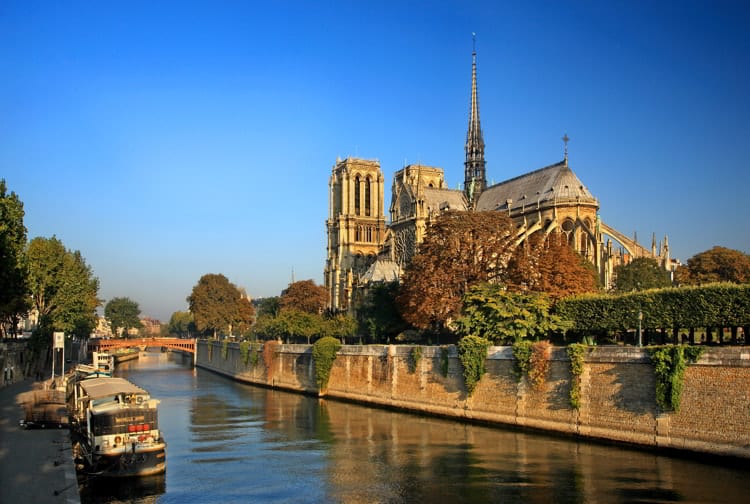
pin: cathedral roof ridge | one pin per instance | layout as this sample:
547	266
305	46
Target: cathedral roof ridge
559	164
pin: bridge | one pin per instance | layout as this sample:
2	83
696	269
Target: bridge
104	344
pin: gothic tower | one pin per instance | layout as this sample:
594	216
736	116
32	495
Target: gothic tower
356	226
475	180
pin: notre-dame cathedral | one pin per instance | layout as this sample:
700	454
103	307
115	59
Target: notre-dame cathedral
364	248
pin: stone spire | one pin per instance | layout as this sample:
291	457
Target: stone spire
474	172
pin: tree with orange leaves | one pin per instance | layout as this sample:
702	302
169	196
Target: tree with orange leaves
460	250
548	264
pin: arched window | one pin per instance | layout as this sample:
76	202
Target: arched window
356	195
367	196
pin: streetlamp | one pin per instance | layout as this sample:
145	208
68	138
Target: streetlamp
640	320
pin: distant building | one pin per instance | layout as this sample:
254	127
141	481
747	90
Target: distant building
363	249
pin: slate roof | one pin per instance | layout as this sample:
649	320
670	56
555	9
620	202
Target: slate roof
545	185
438	199
382	270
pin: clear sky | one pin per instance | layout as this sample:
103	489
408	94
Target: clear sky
166	140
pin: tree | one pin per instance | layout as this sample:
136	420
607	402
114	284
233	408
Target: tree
122	313
460	250
304	295
493	313
14	281
339	326
379	314
641	273
718	264
269	306
214	303
243	321
63	287
181	324
546	263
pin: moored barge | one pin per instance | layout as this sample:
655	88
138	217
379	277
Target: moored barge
115	426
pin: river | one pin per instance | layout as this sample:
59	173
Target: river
229	442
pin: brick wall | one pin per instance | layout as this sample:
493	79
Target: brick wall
617	391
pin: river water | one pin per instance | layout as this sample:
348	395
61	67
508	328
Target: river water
229	442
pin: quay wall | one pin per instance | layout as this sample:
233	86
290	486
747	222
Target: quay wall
617	390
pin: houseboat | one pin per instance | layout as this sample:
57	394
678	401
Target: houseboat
115	428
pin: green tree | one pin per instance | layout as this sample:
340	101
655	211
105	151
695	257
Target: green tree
214	303
503	317
304	295
718	264
379	313
460	250
293	324
122	313
641	273
181	324
269	306
339	326
63	287
14	280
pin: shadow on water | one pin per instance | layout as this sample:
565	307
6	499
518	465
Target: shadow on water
133	490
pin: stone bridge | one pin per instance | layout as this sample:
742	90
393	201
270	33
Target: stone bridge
104	344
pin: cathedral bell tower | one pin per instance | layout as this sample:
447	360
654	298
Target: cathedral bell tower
356	226
475	180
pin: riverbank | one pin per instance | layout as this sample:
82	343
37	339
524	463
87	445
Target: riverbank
36	466
617	391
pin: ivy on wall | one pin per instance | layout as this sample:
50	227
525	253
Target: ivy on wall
472	352
415	355
324	354
245	352
444	361
533	361
669	363
225	349
576	352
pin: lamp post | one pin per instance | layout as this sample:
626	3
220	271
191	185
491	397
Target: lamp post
640	320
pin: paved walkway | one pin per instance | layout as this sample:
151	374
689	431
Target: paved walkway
36	466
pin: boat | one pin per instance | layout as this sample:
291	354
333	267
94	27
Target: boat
125	354
115	428
104	362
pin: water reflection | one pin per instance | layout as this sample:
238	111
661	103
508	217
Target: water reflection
230	442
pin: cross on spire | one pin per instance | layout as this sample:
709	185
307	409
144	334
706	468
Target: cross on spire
565	140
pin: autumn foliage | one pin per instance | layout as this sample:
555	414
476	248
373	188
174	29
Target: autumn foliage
460	249
546	263
718	264
305	296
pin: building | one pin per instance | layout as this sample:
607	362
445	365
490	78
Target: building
363	249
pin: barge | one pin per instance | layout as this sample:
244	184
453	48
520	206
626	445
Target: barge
115	428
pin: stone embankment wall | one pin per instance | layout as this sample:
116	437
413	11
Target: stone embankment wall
617	390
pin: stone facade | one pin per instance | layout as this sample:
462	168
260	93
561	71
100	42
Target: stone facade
617	391
355	226
550	199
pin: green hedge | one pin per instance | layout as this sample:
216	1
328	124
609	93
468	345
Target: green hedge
715	305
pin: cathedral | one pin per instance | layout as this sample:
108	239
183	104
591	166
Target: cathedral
364	248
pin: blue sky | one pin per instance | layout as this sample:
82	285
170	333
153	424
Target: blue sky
166	140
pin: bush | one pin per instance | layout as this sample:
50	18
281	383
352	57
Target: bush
472	351
324	354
